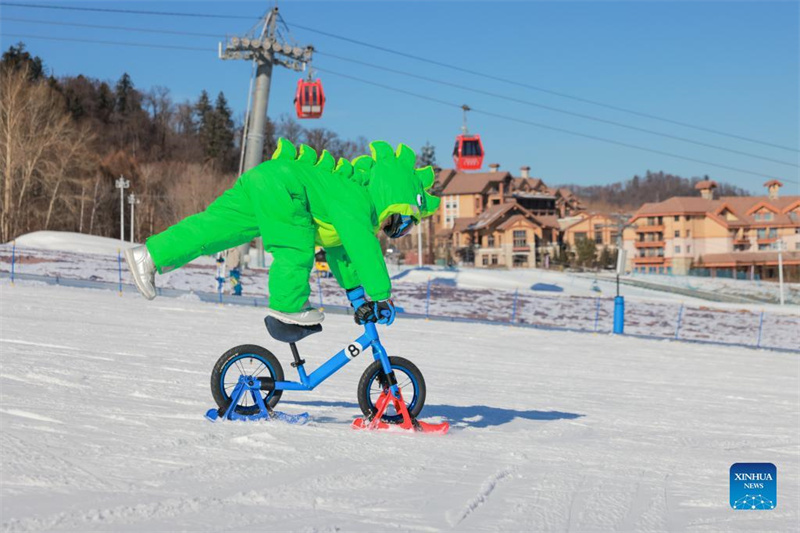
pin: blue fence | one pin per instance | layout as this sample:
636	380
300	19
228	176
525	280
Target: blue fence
439	299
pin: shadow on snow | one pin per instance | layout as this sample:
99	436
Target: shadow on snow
476	416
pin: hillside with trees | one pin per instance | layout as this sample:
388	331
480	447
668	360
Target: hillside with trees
64	141
652	187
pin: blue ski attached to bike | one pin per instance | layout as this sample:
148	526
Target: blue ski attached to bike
249	385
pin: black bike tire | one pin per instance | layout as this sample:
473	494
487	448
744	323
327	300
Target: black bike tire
364	402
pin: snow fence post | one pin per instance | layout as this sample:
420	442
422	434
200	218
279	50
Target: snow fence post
678	327
13	258
119	265
514	308
596	312
319	289
428	300
760	329
619	315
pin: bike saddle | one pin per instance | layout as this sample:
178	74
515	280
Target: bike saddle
281	331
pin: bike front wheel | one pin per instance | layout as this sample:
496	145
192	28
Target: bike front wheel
373	383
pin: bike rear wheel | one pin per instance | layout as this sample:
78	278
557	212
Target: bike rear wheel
245	360
373	383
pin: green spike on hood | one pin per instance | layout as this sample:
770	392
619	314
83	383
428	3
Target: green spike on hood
326	161
308	155
284	151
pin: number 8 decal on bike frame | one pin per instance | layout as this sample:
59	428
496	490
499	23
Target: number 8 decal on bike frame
353	349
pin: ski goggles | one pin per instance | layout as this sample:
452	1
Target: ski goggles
398	225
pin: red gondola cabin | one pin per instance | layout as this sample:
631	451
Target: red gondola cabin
309	100
468	152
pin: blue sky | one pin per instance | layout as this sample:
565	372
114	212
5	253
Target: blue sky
729	66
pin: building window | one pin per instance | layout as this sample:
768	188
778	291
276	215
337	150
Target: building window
490	241
520	238
688	233
579	236
773	233
614	237
598	234
485	260
688	249
494	259
677	249
677	218
677	234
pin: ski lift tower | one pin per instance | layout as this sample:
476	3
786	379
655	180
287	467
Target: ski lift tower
266	44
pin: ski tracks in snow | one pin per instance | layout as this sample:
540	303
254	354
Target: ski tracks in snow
482	498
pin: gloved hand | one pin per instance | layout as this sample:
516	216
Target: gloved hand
382	312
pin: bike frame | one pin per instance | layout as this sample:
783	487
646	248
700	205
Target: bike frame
369	339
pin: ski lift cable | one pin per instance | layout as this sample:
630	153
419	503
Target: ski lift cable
422	59
424	97
554	109
444	83
552	128
545	90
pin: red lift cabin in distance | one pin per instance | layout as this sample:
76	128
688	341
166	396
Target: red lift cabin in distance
309	100
468	150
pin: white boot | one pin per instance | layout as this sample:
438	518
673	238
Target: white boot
142	269
308	316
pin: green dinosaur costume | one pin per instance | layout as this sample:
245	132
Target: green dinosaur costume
296	200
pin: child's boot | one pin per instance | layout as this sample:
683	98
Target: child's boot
142	269
308	316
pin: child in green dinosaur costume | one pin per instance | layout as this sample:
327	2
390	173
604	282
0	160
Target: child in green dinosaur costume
293	202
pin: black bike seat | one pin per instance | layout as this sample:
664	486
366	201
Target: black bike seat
281	331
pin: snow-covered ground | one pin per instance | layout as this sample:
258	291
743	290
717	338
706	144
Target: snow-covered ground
543	298
102	400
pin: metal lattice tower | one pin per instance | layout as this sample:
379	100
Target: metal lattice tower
266	46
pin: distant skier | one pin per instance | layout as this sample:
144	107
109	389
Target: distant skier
294	201
233	260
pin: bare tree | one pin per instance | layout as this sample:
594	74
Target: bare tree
33	128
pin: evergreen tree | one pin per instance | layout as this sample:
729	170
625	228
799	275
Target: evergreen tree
427	155
605	257
17	58
202	112
125	98
586	252
221	147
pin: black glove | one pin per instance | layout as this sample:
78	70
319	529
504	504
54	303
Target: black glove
382	312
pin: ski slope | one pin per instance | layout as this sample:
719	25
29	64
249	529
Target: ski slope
102	400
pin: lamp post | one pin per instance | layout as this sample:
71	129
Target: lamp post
419	245
132	200
781	247
122	184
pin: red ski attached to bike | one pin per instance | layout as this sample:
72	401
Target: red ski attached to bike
409	423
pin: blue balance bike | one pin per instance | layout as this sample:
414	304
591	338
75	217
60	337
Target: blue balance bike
247	381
